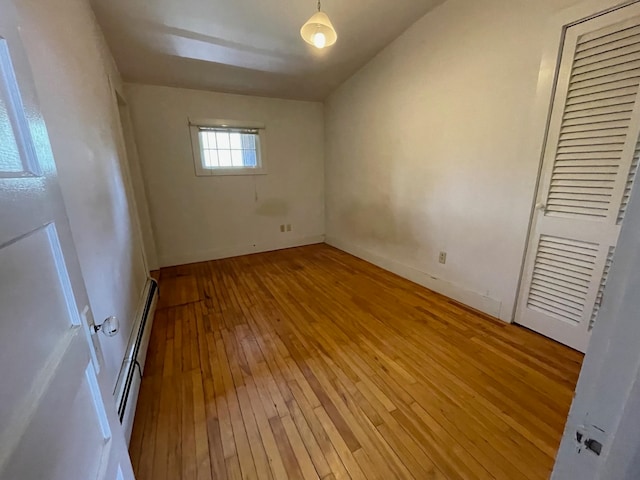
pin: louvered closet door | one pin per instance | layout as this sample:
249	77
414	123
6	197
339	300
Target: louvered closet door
591	158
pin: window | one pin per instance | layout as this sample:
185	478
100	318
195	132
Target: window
225	147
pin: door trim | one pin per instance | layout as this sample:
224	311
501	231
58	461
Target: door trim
118	99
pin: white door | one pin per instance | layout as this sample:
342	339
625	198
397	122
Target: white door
57	417
590	161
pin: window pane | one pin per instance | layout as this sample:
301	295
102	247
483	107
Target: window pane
224	157
236	140
204	140
248	141
223	140
236	158
249	158
206	158
211	139
210	158
226	149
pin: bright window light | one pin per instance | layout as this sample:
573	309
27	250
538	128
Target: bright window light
228	150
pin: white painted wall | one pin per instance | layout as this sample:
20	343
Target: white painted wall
428	150
71	65
202	218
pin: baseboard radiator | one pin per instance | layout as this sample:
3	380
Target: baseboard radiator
130	377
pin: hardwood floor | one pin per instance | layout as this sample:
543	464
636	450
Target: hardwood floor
309	363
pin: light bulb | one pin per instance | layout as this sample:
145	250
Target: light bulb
319	40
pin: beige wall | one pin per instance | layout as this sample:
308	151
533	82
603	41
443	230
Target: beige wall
71	65
202	218
428	149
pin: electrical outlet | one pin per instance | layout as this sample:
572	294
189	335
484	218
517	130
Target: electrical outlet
282	228
442	258
288	227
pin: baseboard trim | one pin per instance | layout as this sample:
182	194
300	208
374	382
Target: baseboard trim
236	251
483	303
128	385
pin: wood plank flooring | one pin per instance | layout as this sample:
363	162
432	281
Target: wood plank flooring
309	363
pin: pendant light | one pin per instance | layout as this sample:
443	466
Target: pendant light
318	30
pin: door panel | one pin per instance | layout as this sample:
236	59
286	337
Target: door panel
30	270
57	417
77	426
589	166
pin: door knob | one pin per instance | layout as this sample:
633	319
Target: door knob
542	207
110	326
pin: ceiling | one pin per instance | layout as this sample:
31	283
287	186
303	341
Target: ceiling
249	46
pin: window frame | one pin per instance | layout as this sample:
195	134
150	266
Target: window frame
195	124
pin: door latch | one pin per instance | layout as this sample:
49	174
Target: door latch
590	444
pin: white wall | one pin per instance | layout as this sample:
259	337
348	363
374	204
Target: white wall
427	150
202	218
71	65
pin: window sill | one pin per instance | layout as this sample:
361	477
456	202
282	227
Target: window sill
231	172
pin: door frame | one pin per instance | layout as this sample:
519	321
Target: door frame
540	114
118	100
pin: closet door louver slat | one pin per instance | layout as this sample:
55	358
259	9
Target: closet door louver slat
601	96
601	286
630	181
562	272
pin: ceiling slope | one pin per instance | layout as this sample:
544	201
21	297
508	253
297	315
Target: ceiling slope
249	46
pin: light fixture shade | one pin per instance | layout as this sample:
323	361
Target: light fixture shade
319	23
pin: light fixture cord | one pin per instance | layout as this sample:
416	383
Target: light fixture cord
318	5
